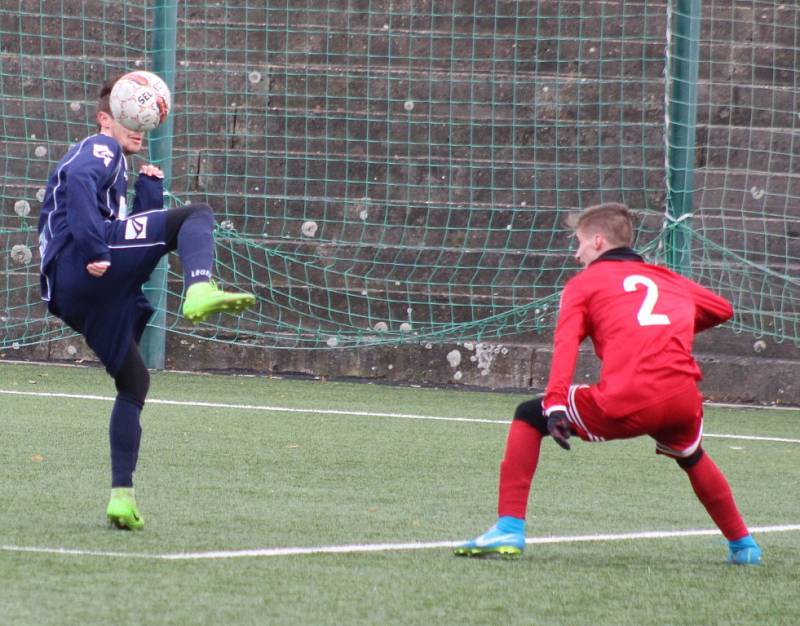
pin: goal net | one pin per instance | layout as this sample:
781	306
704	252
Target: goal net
392	171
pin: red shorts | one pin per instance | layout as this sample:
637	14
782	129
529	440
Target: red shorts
676	422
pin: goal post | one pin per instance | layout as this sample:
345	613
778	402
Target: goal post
165	26
683	59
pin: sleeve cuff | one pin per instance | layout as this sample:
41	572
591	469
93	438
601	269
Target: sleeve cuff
555	407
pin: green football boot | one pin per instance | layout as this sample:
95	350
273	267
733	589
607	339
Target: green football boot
203	299
122	511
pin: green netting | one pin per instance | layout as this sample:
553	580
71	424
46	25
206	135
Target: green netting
746	222
398	170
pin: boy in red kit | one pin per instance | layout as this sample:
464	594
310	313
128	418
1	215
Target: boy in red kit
642	320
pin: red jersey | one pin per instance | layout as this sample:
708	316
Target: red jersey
642	320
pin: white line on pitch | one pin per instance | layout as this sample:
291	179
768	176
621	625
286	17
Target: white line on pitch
755	407
751	437
282	409
257	407
381	547
725	405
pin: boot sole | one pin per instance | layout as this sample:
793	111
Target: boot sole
504	552
118	521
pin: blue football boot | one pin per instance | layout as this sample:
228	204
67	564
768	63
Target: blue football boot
744	551
505	539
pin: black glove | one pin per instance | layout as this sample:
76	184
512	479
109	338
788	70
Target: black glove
559	428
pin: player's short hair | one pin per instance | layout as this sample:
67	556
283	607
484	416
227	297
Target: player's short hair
613	220
103	99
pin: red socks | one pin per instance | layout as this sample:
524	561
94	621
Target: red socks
522	457
517	469
713	490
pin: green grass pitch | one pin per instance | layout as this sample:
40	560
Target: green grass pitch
233	478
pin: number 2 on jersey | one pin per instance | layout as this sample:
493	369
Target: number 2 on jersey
646	316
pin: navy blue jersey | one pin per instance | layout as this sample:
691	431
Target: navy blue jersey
85	193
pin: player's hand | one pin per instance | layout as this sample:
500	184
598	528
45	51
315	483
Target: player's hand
151	170
559	429
98	268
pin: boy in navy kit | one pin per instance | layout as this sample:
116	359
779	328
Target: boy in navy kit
642	320
95	257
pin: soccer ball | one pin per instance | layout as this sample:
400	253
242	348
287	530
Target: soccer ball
140	101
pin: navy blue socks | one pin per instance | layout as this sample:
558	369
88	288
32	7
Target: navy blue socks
124	434
196	246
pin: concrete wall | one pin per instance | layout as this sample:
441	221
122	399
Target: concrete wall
736	367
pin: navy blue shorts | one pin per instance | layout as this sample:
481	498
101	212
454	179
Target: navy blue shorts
110	311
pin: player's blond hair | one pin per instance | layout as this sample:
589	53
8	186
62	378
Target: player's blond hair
613	220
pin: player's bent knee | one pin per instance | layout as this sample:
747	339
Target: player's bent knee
691	460
135	383
200	212
531	413
204	214
133	377
199	217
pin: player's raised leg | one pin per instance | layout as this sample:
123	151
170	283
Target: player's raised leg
191	230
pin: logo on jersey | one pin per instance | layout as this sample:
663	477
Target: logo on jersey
103	152
136	228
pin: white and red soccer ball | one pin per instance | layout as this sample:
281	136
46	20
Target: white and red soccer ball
140	101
